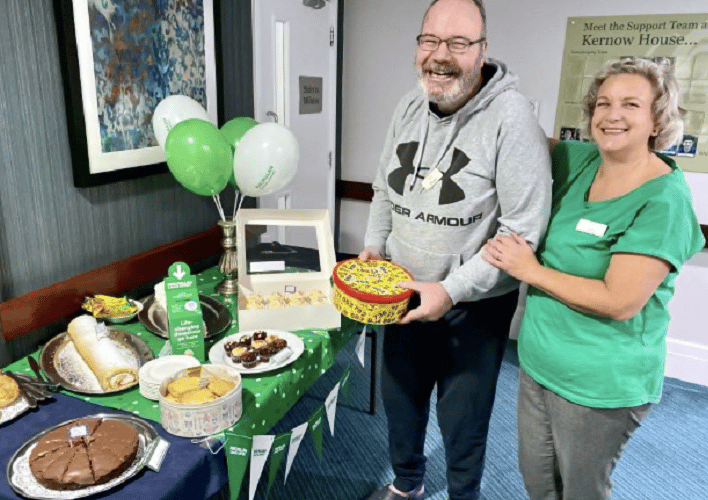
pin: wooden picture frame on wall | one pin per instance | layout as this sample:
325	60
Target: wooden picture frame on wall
119	59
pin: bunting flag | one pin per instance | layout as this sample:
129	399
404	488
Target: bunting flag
315	424
259	454
331	407
257	449
238	451
277	454
295	439
361	346
345	384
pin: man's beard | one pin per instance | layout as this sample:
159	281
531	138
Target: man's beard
462	88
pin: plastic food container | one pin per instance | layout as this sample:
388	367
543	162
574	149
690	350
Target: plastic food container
366	291
198	420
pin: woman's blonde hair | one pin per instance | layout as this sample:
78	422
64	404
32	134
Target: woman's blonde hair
668	115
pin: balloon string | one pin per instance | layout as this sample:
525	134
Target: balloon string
240	200
221	208
217	202
237	204
213	198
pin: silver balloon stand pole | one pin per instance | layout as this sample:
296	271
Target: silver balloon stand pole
228	263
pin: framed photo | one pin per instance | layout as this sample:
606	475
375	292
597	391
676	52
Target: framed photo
119	59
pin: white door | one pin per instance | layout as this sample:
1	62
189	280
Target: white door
295	78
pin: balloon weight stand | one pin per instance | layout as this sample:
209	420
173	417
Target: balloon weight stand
228	263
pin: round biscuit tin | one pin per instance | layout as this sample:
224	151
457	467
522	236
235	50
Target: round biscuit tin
198	420
367	291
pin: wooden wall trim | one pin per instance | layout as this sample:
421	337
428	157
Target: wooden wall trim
362	191
21	315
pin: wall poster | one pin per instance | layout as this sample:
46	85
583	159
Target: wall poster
677	40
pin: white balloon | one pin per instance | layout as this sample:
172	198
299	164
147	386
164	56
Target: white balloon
266	159
172	110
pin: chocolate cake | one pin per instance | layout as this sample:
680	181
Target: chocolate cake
85	452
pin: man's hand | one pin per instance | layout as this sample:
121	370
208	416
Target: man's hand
434	302
370	253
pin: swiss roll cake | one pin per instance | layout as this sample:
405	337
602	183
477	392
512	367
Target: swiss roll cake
114	367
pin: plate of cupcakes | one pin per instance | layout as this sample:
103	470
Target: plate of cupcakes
257	351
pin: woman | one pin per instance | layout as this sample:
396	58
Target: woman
592	341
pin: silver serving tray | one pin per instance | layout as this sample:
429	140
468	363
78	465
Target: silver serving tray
217	317
128	340
24	483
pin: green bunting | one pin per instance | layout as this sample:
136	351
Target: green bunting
315	426
345	384
277	454
238	452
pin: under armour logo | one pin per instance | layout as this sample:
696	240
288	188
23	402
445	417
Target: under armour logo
450	192
397	178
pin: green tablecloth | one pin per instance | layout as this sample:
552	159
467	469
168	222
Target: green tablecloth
266	397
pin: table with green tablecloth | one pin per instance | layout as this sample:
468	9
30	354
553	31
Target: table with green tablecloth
266	397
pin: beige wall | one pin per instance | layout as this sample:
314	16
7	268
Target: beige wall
379	42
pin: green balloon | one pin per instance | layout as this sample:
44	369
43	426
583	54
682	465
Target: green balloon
233	130
199	156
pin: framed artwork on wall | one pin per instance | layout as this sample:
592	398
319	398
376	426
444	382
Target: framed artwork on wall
119	59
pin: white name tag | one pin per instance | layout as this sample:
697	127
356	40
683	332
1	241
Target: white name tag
590	227
432	178
78	431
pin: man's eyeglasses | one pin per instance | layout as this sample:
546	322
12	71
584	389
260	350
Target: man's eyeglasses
456	44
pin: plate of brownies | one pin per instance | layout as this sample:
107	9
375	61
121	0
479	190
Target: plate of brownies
257	351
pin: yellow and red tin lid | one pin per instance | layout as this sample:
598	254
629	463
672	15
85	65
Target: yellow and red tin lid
372	281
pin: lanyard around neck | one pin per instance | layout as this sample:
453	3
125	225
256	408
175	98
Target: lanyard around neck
442	151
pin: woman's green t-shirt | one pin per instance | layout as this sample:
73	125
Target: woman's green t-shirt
589	359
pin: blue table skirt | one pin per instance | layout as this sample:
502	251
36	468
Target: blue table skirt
188	471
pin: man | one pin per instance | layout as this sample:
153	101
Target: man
570	134
687	146
463	160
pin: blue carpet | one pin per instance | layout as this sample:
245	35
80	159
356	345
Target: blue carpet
667	459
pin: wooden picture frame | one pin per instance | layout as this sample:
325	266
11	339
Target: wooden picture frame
117	66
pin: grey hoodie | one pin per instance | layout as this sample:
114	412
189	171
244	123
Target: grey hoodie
496	177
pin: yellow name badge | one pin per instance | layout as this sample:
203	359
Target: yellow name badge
590	227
